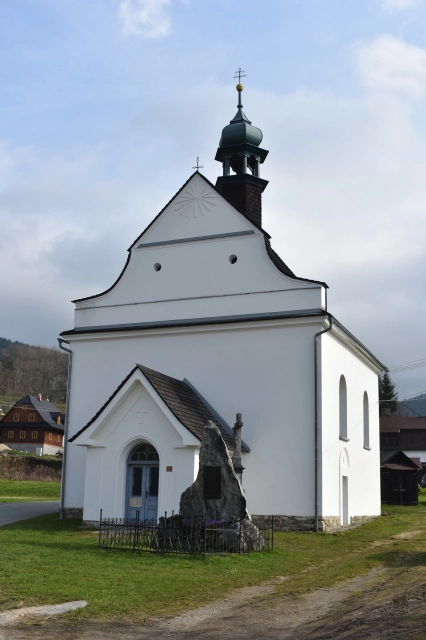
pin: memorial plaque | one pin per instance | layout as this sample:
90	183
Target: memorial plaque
212	482
136	501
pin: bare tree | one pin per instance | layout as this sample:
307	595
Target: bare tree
32	370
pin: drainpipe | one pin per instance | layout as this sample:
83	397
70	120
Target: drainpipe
320	333
67	413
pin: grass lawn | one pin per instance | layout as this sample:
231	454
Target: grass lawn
48	561
28	491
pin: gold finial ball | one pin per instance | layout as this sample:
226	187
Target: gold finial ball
240	87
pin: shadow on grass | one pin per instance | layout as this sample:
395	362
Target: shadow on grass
401	558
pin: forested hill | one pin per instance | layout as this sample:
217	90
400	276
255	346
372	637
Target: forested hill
5	345
413	406
27	369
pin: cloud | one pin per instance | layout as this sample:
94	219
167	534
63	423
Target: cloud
146	18
60	216
392	6
345	204
389	64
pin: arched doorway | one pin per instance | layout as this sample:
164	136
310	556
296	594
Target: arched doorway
142	482
344	488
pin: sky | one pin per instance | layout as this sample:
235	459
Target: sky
106	104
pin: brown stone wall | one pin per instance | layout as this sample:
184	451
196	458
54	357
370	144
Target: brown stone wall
73	512
246	198
286	523
361	519
306	523
91	524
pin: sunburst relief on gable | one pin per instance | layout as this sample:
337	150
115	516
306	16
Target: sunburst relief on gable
196	199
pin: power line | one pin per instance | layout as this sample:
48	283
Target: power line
411	381
415	364
414	397
410	409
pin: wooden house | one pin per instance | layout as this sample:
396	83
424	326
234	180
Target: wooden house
33	425
399	478
407	434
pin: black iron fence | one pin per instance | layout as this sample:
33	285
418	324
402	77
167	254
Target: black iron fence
177	535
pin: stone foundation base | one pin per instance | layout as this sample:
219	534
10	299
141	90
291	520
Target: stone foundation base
362	519
91	524
73	512
286	523
306	523
281	523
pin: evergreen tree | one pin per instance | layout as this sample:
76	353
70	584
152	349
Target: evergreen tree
387	394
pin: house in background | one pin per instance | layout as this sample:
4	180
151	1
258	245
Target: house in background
399	478
218	324
33	425
407	434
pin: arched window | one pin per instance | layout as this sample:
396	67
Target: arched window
144	453
343	409
366	420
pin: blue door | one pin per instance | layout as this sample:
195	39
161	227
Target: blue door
142	483
143	491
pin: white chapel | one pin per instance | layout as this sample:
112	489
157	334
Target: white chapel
205	321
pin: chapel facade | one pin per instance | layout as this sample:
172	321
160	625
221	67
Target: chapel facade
205	321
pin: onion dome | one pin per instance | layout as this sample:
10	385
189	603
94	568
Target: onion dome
240	153
240	130
239	148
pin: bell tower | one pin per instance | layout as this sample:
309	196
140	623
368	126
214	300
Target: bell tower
241	156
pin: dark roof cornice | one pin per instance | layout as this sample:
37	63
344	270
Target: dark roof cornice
194	322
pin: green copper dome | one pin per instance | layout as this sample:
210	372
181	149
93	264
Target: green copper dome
239	148
240	131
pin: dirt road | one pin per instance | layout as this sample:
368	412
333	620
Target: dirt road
385	604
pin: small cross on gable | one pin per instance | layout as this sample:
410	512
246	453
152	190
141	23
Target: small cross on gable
142	409
198	165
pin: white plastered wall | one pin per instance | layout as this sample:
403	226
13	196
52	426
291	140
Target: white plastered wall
197	279
262	369
362	466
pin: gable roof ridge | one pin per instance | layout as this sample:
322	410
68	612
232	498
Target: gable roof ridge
104	406
163	209
154	377
190	412
218	417
387	456
273	255
98	295
281	265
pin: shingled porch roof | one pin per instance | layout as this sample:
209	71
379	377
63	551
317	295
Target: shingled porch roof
183	400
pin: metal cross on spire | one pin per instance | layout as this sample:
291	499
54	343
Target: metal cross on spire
198	165
240	73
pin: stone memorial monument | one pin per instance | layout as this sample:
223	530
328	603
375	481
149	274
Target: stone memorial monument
217	495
